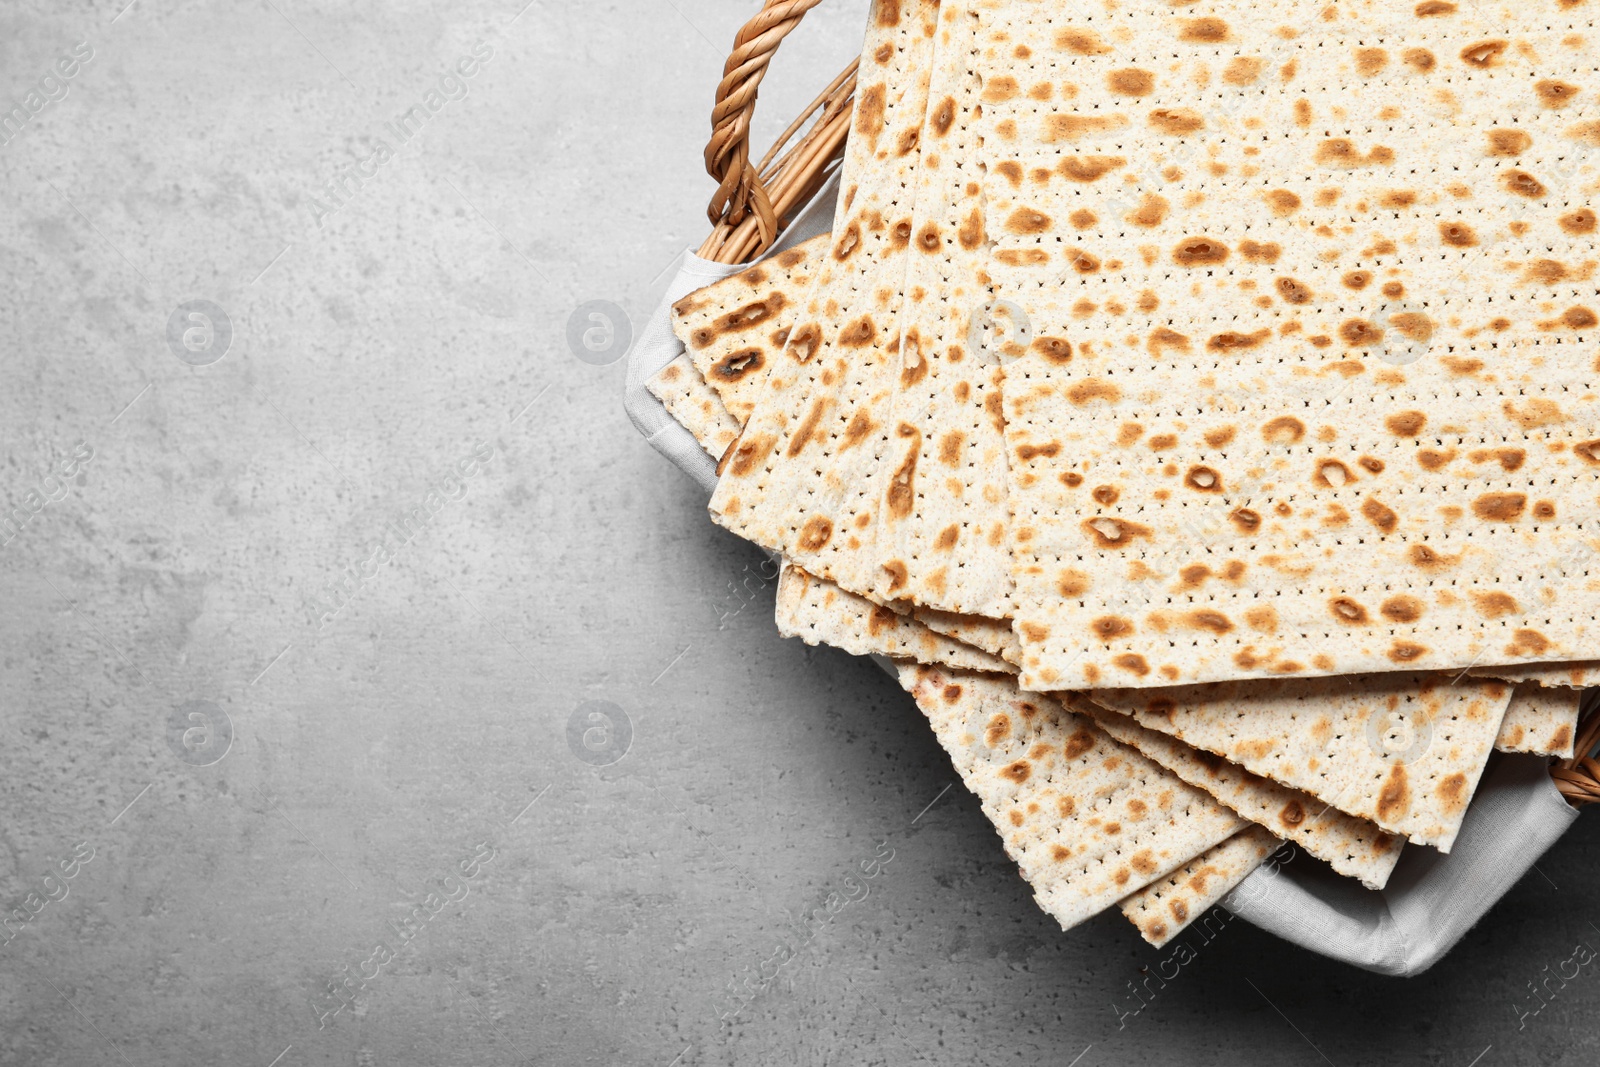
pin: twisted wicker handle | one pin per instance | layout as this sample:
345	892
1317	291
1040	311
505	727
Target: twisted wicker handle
745	195
739	188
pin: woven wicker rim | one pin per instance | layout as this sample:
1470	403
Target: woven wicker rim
1578	778
752	204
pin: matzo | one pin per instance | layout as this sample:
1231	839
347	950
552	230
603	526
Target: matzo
1403	750
1540	720
943	541
1086	819
1163	908
992	635
1312	292
1572	675
735	329
818	611
694	405
802	477
1353	847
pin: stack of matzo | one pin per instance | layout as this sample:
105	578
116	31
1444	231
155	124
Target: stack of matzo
1197	400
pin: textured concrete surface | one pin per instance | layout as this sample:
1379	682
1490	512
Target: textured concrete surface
243	824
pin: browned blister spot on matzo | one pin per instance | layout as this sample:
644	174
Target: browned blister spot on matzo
1260	251
803	343
1204	31
1555	93
1347	611
1283	202
807	427
1206	619
1075	127
1131	81
1150	212
1293	291
1000	88
1380	515
1081	41
1283	430
950	448
1087	169
1509	142
1110	627
1369	61
1586	133
1493	604
736	365
1199	252
1176	122
815	533
1231	340
1403	608
869	113
1435	459
1406	652
1112	532
1484	54
1522	183
1342	153
1406	423
1025	221
1394	798
1092	389
902	492
1500	507
1526	643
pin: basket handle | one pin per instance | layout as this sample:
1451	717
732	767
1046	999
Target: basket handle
740	190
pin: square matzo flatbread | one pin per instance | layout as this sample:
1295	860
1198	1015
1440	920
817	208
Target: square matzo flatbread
992	635
1577	675
735	329
802	478
1353	847
694	405
1403	750
818	611
1163	908
1087	820
1540	720
943	541
1312	290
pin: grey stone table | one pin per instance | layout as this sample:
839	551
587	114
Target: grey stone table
371	694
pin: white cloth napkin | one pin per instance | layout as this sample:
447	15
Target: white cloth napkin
1431	900
653	349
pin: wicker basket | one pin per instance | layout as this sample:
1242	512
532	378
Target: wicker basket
752	204
1578	778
